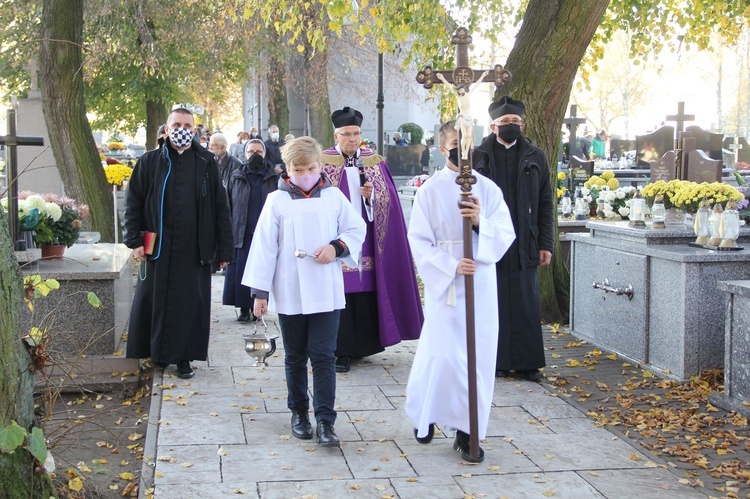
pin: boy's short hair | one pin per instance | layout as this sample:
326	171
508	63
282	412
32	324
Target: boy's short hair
445	129
301	151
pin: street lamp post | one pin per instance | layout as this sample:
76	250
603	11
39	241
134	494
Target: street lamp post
380	103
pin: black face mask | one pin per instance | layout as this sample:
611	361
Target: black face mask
453	156
508	133
255	162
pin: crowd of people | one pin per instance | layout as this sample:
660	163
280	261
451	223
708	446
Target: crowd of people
318	237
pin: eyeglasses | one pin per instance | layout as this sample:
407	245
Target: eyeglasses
514	121
347	135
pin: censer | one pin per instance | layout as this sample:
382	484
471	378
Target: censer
260	346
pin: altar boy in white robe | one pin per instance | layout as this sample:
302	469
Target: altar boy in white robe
437	391
305	216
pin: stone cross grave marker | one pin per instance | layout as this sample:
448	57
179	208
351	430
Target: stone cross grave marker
573	121
33	68
680	118
11	141
463	77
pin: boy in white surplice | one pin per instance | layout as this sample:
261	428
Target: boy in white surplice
308	218
437	390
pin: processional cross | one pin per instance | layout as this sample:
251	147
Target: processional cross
465	79
11	141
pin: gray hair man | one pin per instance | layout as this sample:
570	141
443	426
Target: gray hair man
227	163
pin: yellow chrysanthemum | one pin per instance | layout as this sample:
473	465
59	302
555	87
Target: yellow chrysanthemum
608	174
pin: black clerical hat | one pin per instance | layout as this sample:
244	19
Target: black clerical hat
504	106
346	117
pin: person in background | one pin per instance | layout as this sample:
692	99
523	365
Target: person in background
237	149
288	137
254	134
217	144
161	135
438	373
598	149
273	146
305	214
247	190
522	173
175	195
398	140
382	298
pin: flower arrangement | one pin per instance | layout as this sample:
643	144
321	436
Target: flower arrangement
668	190
606	178
116	146
616	202
691	194
561	189
51	218
117	173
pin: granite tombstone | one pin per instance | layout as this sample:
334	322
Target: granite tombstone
708	142
652	146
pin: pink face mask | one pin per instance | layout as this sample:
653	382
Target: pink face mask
306	181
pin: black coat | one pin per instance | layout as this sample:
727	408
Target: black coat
238	192
144	195
534	206
230	165
273	153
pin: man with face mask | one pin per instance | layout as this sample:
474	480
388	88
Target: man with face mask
522	173
247	190
217	144
273	149
175	194
382	298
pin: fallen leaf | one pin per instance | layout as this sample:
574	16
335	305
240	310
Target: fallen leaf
549	493
114	487
76	484
126	475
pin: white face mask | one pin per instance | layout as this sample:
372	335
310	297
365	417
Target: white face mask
275	136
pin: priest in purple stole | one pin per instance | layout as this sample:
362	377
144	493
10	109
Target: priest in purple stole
382	298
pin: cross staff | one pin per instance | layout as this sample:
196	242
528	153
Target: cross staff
573	121
463	76
680	118
11	141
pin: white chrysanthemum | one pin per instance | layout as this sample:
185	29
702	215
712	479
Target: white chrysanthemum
624	211
608	213
620	194
585	191
605	188
629	203
588	199
610	196
36	201
53	210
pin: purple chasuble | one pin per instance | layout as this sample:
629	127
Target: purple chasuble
387	264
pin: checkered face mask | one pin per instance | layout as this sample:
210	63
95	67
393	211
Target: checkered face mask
181	137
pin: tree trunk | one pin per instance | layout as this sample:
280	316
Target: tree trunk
73	145
549	47
156	115
17	475
317	98
278	106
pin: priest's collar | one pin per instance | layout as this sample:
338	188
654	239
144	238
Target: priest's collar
338	148
507	146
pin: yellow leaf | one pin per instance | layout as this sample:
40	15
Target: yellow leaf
651	464
114	487
611	357
214	414
300	48
493	468
75	484
593	473
556	355
635	457
126	475
549	493
573	363
135	436
647	374
355	487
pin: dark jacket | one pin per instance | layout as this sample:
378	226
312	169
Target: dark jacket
144	198
533	210
238	193
230	165
273	153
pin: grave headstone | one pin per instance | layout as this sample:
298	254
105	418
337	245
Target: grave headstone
407	160
701	168
664	169
708	142
580	171
618	147
652	146
740	150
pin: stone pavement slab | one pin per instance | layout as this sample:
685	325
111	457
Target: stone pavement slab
226	433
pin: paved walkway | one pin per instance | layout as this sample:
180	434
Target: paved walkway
226	432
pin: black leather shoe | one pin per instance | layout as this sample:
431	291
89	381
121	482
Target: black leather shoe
343	364
326	436
301	427
530	375
184	371
427	438
244	315
461	444
502	373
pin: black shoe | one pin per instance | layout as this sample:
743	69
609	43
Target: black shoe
326	436
530	375
301	427
428	438
461	444
343	364
244	315
160	365
184	371
503	373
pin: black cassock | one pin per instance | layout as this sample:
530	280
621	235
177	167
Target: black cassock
521	346
170	318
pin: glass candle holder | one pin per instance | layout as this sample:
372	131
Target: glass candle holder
658	213
637	211
701	225
731	226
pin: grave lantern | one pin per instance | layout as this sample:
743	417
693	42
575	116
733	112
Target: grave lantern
566	207
637	210
717	228
582	207
600	208
701	226
731	223
658	213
